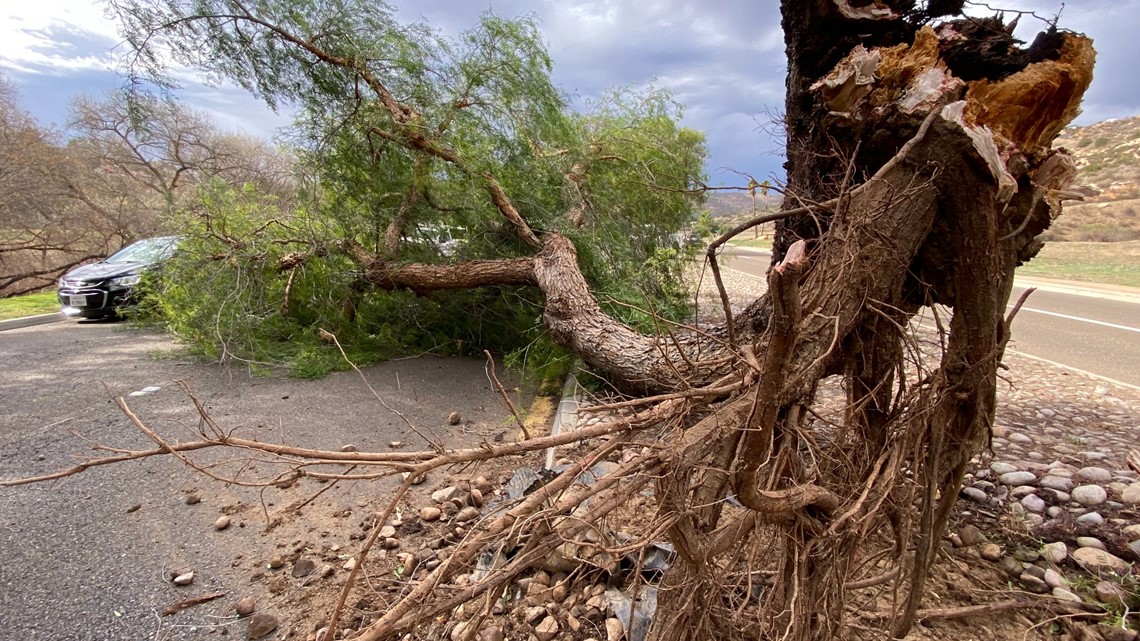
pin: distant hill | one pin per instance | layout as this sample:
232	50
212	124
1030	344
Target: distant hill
728	204
1108	165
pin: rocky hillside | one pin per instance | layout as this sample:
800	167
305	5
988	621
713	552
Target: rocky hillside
1108	161
722	204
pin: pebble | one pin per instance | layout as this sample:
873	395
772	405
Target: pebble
1110	593
1065	595
184	579
1032	583
1090	495
467	514
1033	503
975	495
1058	483
327	570
1013	479
1011	566
1094	475
444	495
1022	491
1002	468
276	562
454	418
350	564
260	625
303	567
482	484
460	630
1131	494
493	633
547	629
430	513
991	552
1133	531
614	629
1025	555
1099	560
245	606
387	532
1055	579
1055	552
1091	518
193	499
222	523
559	592
1091	542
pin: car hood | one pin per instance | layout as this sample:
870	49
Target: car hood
102	271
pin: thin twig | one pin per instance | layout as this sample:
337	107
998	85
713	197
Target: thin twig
490	367
175	608
329	336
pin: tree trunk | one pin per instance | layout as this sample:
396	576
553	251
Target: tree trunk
945	218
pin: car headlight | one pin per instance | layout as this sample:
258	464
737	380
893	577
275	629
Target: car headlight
125	281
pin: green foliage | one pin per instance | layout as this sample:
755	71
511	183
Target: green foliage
705	226
475	115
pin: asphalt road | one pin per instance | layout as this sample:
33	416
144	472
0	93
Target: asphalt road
89	557
1074	326
1091	331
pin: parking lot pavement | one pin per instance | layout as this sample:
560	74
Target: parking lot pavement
90	556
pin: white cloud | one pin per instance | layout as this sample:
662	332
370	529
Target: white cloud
56	36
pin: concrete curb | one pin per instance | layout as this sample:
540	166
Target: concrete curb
745	250
1093	290
29	321
566	416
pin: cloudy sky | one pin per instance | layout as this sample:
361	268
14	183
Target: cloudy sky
723	59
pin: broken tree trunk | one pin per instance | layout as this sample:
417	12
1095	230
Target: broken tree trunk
944	219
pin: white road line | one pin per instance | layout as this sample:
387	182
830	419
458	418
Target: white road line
1078	318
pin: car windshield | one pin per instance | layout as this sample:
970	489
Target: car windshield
146	251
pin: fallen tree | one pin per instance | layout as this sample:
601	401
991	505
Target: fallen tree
920	175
